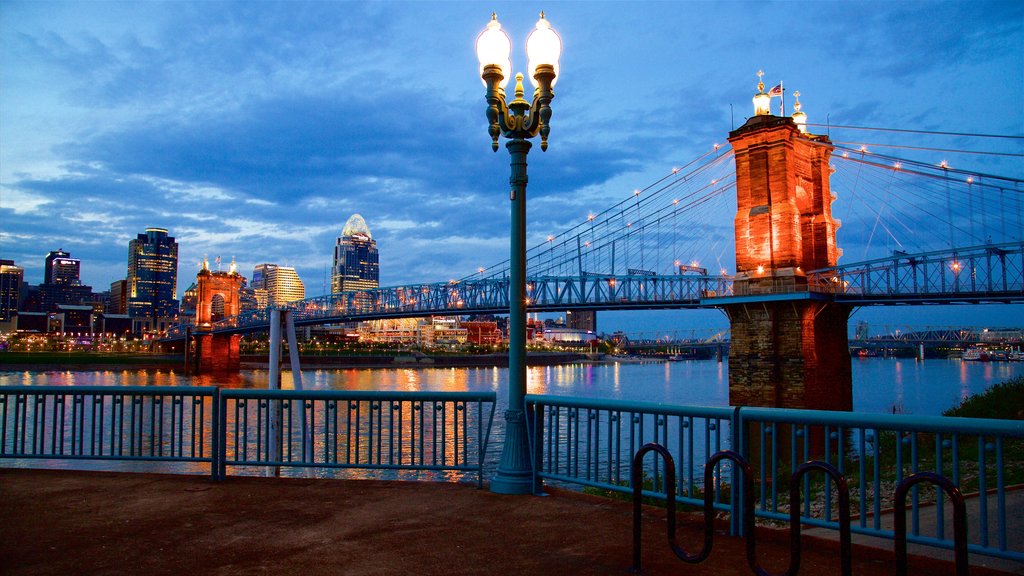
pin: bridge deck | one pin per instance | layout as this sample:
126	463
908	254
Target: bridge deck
62	522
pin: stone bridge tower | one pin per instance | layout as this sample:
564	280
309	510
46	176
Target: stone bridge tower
789	344
216	352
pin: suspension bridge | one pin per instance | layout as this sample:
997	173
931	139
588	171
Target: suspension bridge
940	235
754	227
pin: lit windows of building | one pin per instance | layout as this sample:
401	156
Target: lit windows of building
61	283
356	261
281	283
152	282
61	268
11	278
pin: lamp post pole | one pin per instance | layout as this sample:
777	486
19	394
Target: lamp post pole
518	121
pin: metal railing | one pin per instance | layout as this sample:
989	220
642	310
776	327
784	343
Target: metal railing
442	431
435	431
151	424
589	443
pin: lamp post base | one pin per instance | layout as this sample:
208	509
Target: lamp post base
515	474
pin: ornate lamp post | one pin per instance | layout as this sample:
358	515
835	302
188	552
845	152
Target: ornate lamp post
518	121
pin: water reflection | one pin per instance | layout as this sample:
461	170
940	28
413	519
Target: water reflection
880	384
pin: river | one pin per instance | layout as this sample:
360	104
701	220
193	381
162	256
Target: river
880	385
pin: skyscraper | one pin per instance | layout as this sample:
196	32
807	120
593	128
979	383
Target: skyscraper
356	263
152	281
61	268
11	277
281	283
61	282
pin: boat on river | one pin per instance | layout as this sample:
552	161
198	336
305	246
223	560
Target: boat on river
976	355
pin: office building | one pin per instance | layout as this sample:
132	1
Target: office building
356	262
152	282
282	284
61	268
117	300
11	278
61	283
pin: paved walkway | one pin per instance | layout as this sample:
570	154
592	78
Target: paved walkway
74	522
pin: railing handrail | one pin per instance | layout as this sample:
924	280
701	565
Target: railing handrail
371	395
631	406
908	422
112	390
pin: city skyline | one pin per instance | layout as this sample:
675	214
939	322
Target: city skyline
266	125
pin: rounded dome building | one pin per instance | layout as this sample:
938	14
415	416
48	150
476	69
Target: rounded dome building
356	262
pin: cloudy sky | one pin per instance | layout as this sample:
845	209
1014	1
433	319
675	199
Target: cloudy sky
255	129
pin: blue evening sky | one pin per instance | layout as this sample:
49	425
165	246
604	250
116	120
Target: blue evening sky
255	129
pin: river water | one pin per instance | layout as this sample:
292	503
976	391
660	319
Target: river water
880	385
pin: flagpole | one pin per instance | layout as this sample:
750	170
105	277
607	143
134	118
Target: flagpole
782	110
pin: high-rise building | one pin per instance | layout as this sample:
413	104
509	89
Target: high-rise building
61	268
61	283
356	263
11	278
152	281
282	283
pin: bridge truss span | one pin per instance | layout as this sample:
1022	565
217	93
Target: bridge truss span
977	274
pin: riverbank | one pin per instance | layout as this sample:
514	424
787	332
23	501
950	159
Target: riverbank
420	360
102	362
89	361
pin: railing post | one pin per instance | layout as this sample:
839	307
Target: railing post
736	491
535	422
215	431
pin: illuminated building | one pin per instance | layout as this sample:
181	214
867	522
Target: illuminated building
437	330
61	268
282	284
152	281
61	284
11	277
482	332
356	262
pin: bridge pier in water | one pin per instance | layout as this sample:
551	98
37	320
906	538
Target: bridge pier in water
790	354
789	345
217	353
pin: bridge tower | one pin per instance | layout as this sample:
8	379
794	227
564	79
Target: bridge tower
216	352
789	345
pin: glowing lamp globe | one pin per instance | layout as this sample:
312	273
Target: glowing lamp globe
543	47
493	47
801	121
762	104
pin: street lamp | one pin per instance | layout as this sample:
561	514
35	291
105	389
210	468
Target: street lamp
517	121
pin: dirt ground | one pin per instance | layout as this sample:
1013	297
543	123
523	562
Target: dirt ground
71	522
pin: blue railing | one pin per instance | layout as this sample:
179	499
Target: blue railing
590	443
435	431
153	424
442	431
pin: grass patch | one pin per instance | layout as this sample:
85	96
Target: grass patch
1005	401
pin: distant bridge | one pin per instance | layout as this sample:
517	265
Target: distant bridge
979	274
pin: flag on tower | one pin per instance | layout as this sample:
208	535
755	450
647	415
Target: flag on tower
776	91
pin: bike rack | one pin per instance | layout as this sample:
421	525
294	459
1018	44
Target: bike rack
900	500
636	477
959	520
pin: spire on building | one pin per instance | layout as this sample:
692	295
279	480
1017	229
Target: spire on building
799	117
762	101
